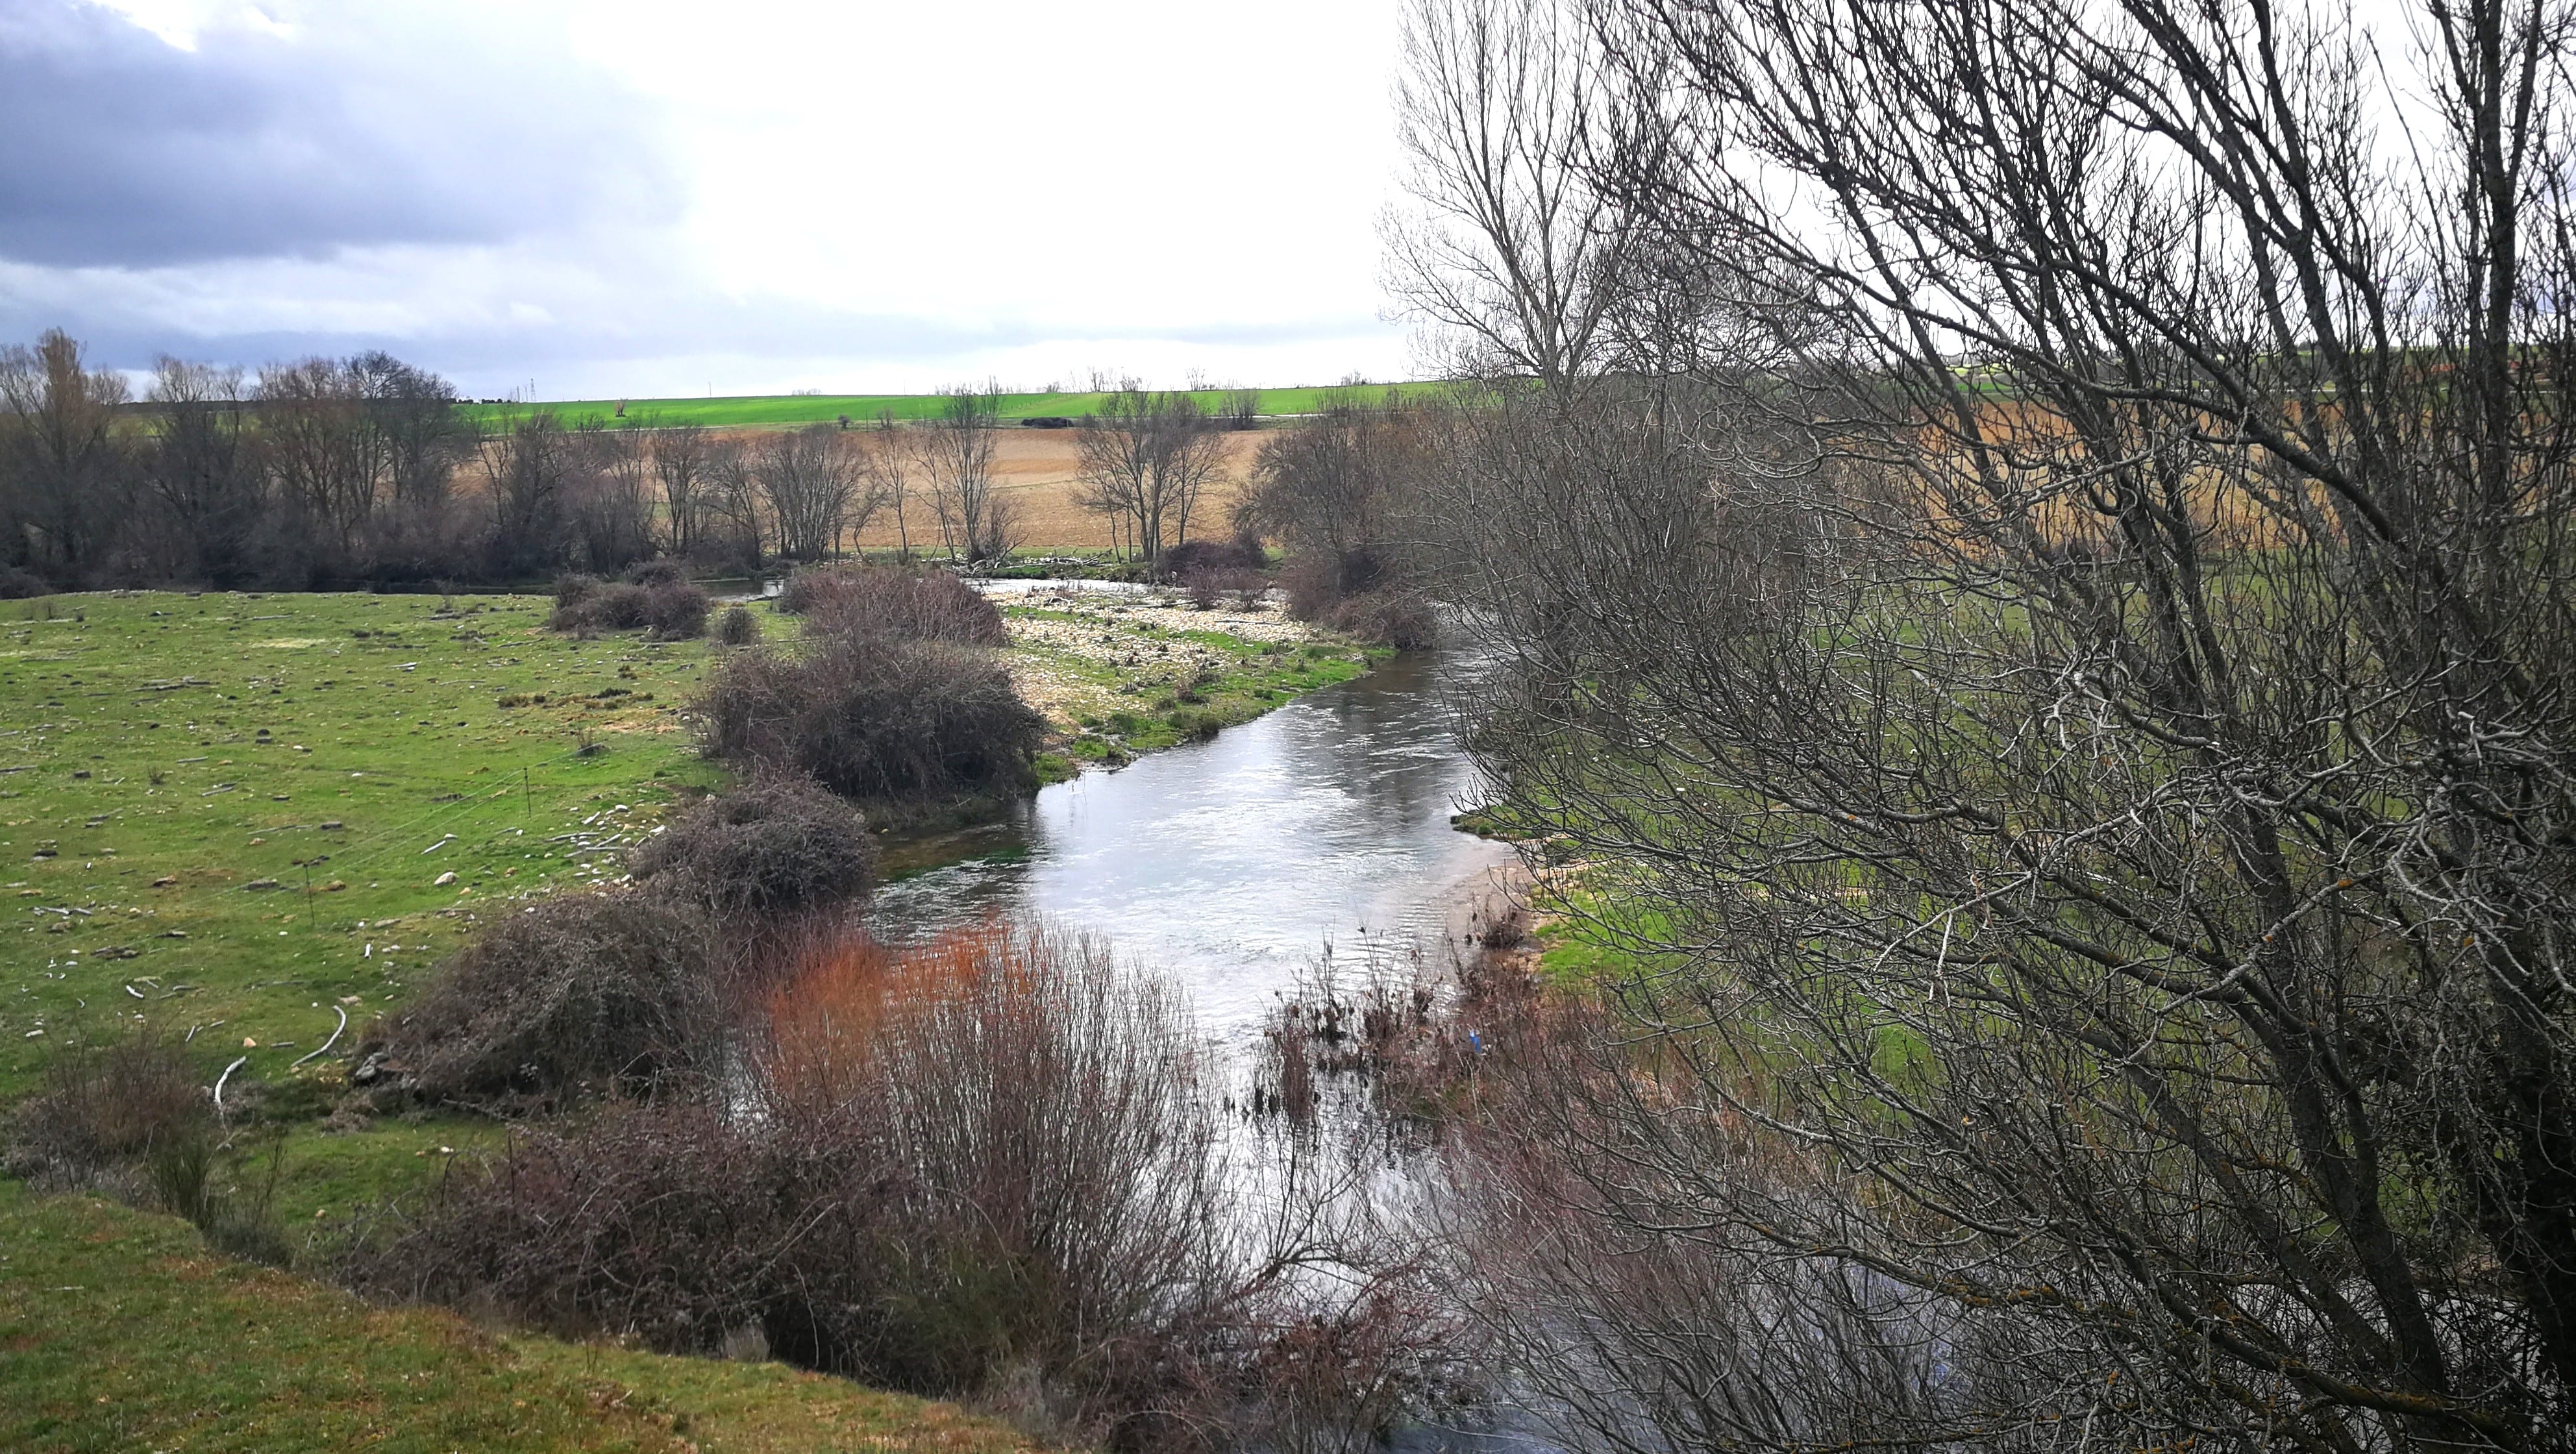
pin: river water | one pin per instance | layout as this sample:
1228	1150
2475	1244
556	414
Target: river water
1230	864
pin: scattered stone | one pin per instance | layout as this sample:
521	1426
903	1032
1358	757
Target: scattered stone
443	880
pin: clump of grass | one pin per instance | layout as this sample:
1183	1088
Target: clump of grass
130	1117
104	1105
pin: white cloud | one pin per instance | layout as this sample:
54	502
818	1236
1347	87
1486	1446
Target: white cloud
869	196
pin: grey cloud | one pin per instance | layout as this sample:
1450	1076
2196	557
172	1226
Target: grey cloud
356	128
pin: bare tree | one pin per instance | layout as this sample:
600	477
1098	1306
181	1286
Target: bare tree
885	464
1145	460
681	457
1339	493
955	451
1511	249
608	495
818	488
63	468
732	523
413	414
203	467
529	468
2076	745
322	446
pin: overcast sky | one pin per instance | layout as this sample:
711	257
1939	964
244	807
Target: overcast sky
624	198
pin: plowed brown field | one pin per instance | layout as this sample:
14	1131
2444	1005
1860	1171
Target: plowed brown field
1036	468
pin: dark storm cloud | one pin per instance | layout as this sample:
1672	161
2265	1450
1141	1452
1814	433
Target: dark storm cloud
123	150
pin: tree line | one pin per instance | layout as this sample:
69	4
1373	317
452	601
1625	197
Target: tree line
333	472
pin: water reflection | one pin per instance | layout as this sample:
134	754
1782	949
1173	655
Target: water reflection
1230	862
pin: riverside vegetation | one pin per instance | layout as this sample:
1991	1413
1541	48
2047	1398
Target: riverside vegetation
242	817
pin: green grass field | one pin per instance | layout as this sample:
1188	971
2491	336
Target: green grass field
785	410
119	1331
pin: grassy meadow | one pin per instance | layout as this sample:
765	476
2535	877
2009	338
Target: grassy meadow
119	1331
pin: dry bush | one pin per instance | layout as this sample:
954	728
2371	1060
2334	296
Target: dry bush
601	988
1061	1197
991	1165
875	719
676	610
924	605
106	1103
740	626
659	596
585	605
1409	1039
664	1221
773	848
1399	618
1206	554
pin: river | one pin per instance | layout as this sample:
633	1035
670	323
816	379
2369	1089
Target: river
1231	863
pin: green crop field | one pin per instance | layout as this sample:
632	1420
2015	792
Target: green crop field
787	410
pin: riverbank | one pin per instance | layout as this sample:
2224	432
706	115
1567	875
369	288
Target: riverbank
239	818
239	815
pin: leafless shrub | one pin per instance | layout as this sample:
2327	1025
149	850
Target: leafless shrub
771	849
667	1221
874	718
1206	554
740	626
601	989
656	574
989	1166
1398	617
676	610
586	604
919	604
